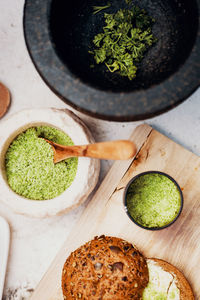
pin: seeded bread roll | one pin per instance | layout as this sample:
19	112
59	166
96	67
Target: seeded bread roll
105	268
182	284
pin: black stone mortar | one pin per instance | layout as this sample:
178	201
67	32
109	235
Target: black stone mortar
59	34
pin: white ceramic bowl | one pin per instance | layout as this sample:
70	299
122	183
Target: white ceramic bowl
4	248
87	171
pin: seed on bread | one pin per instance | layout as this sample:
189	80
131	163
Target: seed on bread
115	249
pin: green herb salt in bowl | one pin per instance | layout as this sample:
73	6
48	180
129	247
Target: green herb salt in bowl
30	182
153	200
30	169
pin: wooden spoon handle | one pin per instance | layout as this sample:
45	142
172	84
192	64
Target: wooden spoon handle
115	150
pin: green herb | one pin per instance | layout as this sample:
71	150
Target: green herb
126	37
97	9
29	164
129	2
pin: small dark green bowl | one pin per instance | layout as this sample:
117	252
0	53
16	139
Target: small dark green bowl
125	200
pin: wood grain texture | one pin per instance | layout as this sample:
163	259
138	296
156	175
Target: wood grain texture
178	244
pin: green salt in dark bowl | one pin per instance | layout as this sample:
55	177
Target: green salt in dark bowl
59	34
153	200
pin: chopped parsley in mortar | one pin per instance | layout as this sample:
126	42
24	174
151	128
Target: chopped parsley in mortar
153	200
29	164
123	40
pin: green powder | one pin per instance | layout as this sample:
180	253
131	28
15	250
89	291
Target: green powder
153	200
29	164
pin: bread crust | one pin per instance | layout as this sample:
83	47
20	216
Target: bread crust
182	283
105	268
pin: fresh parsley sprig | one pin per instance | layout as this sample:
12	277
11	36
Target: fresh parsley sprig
125	38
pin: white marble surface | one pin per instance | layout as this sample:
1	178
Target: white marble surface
34	243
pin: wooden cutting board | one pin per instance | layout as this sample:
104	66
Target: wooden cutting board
178	244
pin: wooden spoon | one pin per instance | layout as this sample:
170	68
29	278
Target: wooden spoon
116	150
4	99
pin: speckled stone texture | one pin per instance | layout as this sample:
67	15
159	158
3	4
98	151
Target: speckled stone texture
58	36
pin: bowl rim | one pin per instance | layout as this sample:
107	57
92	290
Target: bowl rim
152	172
95	102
